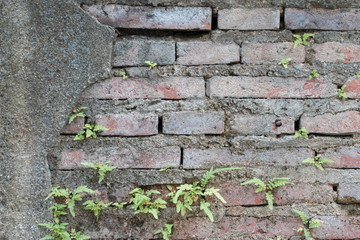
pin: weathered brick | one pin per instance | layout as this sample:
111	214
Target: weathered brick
352	88
338	227
197	53
203	158
172	18
260	53
135	52
236	194
343	157
349	193
337	52
262	125
249	19
236	227
322	19
165	88
74	127
193	123
269	87
121	157
339	123
128	124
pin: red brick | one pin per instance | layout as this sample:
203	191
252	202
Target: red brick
74	127
340	123
322	19
349	193
352	88
193	123
197	53
261	125
128	124
269	87
337	52
343	157
236	194
236	227
172	18
136	52
338	227
121	157
165	88
199	158
261	53
249	19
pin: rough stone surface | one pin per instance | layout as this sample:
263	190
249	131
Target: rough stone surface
338	227
349	193
322	19
152	18
343	157
164	88
337	52
74	127
136	52
196	53
249	19
269	87
47	59
352	88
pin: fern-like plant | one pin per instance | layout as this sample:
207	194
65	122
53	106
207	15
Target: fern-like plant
313	74
268	187
307	224
302	39
77	113
151	64
96	206
90	130
301	133
141	202
123	75
285	62
341	93
358	74
318	161
165	231
102	168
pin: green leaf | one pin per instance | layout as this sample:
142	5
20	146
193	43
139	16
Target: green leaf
302	215
285	62
123	74
315	223
307	234
205	206
358	74
269	199
119	205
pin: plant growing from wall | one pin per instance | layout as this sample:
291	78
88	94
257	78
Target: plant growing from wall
318	161
358	74
302	39
268	187
341	93
123	75
307	224
77	113
302	132
165	231
165	169
187	194
102	168
285	62
151	64
90	130
96	206
313	74
141	202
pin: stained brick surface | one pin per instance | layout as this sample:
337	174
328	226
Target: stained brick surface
74	127
343	157
349	193
352	88
337	52
338	227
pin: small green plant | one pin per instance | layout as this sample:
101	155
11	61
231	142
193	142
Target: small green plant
77	113
90	130
285	62
102	168
187	194
302	40
165	169
70	197
302	132
119	205
313	74
341	93
308	224
268	188
78	235
141	202
96	206
123	75
151	64
358	74
165	231
318	161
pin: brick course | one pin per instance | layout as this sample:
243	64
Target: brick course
337	52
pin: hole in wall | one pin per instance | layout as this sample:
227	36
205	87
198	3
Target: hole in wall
214	21
160	125
335	188
297	124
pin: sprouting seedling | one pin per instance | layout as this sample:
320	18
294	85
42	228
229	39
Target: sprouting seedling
165	231
302	40
102	168
307	224
151	64
96	206
285	62
165	169
78	235
341	93
90	130
318	161
123	75
77	113
268	188
358	74
313	74
302	132
119	205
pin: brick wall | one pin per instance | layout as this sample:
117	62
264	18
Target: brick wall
218	97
